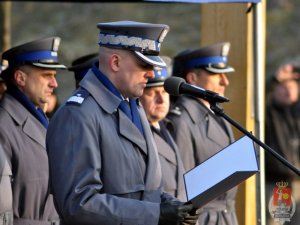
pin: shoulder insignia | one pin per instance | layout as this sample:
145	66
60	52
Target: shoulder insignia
78	97
176	111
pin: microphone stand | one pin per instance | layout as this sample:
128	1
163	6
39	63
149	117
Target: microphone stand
220	112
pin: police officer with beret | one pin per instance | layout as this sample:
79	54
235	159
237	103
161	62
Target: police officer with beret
198	132
156	103
104	165
30	79
81	65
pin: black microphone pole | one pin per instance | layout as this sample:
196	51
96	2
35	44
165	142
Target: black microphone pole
220	112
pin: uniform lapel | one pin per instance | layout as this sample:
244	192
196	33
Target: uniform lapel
153	166
35	131
128	130
200	114
164	149
215	132
30	125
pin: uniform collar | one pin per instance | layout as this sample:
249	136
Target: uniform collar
100	93
193	107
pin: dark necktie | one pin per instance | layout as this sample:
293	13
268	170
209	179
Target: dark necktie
130	109
125	107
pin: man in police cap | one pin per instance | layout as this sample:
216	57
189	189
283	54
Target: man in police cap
198	132
81	65
104	165
156	103
30	79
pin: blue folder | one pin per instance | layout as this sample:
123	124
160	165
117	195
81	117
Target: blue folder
221	172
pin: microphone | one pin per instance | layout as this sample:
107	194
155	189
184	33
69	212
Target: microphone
177	86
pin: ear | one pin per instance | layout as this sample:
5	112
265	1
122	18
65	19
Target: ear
191	78
114	62
20	78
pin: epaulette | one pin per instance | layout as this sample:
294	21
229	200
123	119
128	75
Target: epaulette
176	111
78	97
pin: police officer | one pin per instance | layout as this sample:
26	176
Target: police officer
198	132
156	103
81	65
104	165
6	215
30	78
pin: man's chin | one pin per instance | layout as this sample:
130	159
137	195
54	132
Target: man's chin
43	103
159	116
137	94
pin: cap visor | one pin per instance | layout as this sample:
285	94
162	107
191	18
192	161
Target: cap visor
224	70
155	84
49	66
152	59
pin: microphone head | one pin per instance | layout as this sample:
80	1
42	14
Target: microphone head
172	85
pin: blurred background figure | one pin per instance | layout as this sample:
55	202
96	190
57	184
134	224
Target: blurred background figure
156	103
282	132
51	106
81	65
3	86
